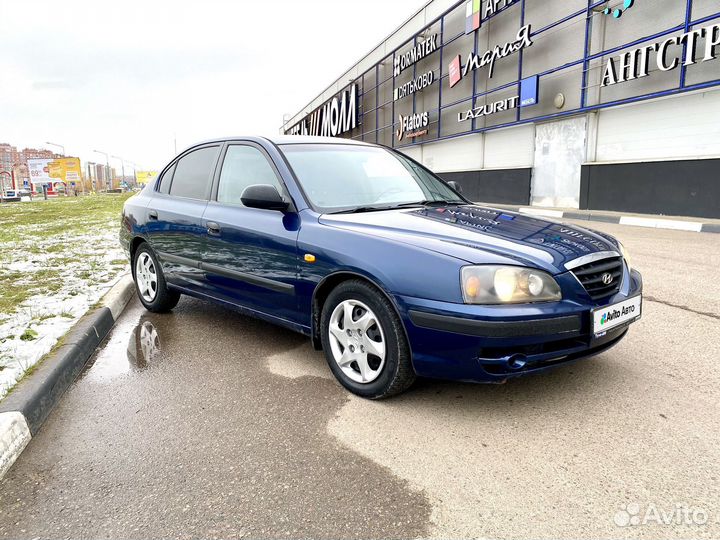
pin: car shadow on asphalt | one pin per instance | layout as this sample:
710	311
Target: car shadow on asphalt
291	356
160	341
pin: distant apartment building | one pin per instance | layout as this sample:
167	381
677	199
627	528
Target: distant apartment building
21	176
100	174
103	176
35	153
9	157
14	165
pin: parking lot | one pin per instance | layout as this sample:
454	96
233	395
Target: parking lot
205	423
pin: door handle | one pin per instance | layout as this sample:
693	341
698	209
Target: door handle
213	228
152	214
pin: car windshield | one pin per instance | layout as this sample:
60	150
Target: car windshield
343	177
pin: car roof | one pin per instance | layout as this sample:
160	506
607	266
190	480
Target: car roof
283	139
304	139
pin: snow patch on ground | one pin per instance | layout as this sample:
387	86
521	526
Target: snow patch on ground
78	269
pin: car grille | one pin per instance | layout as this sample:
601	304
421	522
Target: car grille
591	277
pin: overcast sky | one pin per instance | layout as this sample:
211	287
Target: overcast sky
126	77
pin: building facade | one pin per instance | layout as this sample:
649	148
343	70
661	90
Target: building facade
9	157
14	173
604	105
37	153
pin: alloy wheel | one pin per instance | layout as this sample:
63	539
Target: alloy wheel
357	341
146	277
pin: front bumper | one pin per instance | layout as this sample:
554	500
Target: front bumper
494	343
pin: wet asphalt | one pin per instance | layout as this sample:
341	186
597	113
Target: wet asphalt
203	423
178	430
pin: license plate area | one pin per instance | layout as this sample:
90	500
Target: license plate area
610	317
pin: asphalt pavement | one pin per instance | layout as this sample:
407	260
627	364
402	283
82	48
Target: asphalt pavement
205	423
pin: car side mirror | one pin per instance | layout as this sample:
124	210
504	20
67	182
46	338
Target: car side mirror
457	187
264	196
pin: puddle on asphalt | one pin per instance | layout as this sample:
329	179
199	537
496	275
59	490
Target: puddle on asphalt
133	345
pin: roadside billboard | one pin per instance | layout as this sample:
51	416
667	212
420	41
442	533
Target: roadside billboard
59	174
39	171
66	170
143	177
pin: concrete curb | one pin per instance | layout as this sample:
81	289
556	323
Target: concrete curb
636	221
28	406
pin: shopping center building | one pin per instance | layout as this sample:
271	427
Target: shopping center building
562	103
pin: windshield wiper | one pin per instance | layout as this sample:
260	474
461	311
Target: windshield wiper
430	203
419	204
361	209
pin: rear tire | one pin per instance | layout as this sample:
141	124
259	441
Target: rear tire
150	284
364	341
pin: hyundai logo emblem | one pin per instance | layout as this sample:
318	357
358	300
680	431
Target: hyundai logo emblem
607	278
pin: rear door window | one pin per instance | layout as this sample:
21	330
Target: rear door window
193	173
166	180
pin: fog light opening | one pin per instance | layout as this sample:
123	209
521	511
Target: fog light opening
517	361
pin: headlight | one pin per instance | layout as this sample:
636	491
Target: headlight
626	255
507	285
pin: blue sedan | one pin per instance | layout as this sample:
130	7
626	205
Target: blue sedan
387	268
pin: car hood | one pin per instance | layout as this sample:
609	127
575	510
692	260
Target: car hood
479	234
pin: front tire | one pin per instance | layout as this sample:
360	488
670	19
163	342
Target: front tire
364	341
150	282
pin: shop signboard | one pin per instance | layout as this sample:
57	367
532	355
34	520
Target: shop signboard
501	71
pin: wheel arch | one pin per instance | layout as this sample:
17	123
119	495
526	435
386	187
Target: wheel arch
325	287
135	243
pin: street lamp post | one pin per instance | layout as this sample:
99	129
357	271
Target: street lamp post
58	145
108	182
92	176
122	165
134	166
